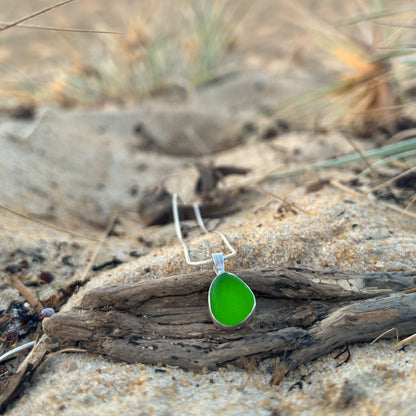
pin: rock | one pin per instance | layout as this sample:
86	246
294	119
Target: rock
186	131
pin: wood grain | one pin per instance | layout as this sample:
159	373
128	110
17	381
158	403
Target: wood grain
301	314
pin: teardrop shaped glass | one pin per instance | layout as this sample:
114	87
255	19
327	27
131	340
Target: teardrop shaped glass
231	301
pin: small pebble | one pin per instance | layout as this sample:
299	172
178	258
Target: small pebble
46	276
46	313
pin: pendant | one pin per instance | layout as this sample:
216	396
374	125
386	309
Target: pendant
231	301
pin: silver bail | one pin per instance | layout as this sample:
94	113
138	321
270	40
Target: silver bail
218	259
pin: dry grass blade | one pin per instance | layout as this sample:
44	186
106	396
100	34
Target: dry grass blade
399	210
387	150
279	373
48	225
386	204
400	48
387	160
54	354
99	245
366	94
401	175
32	15
151	56
402	135
285	201
375	15
399	25
392	107
403	342
385	333
371	93
64	29
412	201
360	152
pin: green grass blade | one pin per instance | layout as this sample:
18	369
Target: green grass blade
385	151
389	159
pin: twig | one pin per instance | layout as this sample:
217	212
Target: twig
404	342
42	364
383	203
344	188
402	135
26	293
285	201
412	201
385	333
394	178
39	12
46	224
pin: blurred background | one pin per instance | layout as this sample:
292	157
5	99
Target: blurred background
192	78
162	45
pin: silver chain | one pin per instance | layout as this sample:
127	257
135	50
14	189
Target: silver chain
217	258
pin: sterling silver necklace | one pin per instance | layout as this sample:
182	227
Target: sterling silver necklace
230	300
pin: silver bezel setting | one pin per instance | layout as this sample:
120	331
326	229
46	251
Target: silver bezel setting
215	320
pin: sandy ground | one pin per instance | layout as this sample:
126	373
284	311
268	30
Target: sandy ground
340	231
76	169
377	381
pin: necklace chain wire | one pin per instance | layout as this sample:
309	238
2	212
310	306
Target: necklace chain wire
201	224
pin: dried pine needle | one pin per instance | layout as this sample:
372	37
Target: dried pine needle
405	341
385	333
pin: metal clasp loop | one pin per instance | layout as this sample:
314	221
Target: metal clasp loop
218	259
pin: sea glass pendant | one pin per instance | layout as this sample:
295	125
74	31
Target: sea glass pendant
231	301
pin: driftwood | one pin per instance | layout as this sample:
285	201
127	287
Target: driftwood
155	206
300	314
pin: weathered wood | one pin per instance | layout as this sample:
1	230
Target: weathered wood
359	322
300	313
12	386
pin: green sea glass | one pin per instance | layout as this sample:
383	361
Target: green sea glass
231	300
